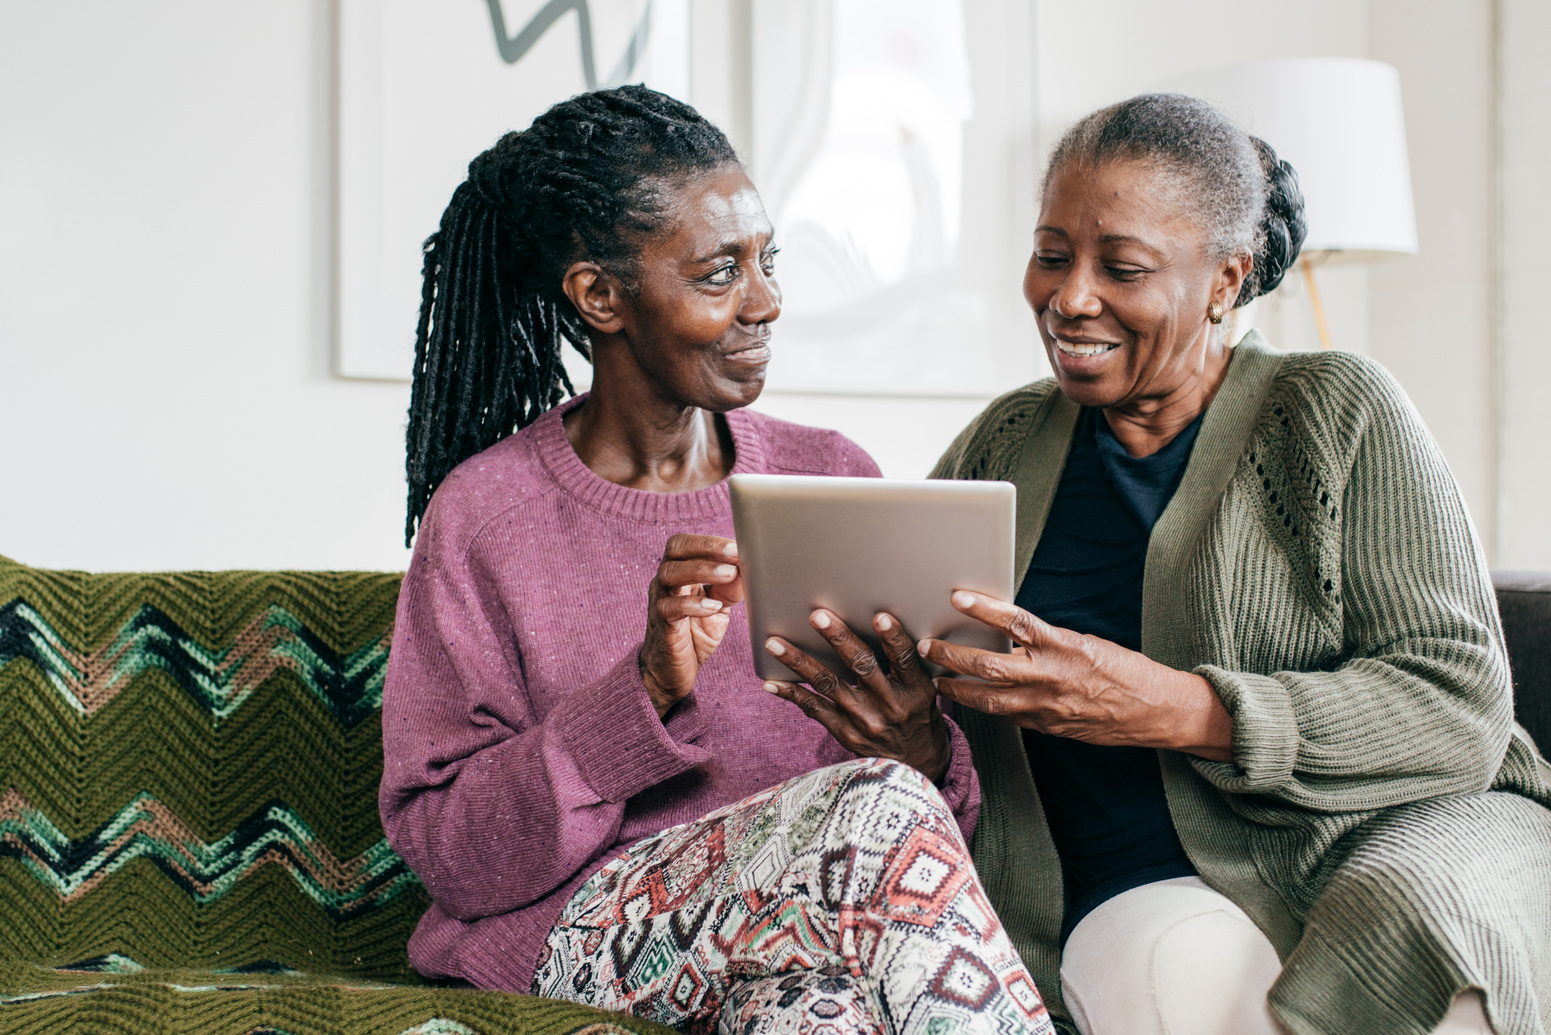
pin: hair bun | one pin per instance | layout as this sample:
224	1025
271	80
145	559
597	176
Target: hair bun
1282	228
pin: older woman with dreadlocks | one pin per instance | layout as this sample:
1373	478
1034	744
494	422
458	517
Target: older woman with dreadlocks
580	762
1253	766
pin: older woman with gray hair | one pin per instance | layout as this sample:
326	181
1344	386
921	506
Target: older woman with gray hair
1252	766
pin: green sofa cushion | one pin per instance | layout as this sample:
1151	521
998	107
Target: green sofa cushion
188	791
110	997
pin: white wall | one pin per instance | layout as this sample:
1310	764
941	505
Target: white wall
1460	322
165	280
165	297
1431	312
165	302
1524	419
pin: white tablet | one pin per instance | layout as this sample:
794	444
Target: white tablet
857	546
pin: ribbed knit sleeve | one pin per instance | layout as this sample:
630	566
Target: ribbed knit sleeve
493	805
961	784
1419	703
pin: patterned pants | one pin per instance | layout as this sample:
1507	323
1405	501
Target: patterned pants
839	903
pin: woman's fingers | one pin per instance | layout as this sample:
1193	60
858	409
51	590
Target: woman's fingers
675	608
692	561
814	674
856	654
700	564
985	665
687	600
685	546
904	661
988	700
1021	627
697	572
884	716
813	706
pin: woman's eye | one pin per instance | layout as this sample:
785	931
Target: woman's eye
723	274
1125	272
768	262
1050	260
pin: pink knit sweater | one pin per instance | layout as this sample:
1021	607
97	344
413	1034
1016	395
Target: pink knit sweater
521	751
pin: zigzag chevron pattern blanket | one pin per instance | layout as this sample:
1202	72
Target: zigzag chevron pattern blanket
189	838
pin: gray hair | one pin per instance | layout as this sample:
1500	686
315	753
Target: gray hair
1245	197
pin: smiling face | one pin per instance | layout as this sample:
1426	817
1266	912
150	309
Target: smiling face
1120	282
695	329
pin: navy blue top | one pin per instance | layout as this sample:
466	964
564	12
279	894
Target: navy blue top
1105	805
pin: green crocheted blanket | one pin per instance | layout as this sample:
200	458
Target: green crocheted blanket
189	837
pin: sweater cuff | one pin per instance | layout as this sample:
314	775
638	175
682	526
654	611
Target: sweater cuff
617	741
1265	731
961	784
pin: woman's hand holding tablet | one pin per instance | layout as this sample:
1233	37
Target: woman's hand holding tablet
874	712
686	617
816	550
1083	687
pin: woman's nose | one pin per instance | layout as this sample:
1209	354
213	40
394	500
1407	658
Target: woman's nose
1076	297
762	301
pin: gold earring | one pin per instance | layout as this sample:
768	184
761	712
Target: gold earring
1214	312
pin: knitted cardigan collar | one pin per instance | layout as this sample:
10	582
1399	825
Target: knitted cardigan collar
1229	421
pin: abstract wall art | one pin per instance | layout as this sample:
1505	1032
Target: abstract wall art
893	142
424	86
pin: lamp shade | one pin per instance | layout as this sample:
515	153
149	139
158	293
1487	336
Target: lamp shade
1339	122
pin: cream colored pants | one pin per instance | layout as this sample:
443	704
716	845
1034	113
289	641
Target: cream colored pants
1177	958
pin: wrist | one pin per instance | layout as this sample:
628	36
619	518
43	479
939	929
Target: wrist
942	751
1206	729
941	776
661	700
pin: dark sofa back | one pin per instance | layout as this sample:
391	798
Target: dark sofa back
1524	598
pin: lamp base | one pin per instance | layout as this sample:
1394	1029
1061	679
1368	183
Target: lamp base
1307	266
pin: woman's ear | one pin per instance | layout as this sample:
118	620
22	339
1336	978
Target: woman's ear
1230	279
598	296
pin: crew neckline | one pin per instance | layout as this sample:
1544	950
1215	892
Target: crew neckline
1109	444
1144	485
580	481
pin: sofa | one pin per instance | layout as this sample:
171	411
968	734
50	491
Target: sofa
1524	601
189	836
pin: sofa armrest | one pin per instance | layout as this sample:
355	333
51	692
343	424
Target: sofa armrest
1524	600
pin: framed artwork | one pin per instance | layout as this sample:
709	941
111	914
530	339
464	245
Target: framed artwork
424	86
893	141
894	145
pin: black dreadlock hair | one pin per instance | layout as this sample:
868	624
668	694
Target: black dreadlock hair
585	181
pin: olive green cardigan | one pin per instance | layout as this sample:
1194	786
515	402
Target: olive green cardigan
1318	567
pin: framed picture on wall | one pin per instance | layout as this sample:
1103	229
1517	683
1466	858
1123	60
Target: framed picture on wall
894	145
893	141
424	86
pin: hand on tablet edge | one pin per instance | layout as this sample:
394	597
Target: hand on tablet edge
874	713
688	601
1083	687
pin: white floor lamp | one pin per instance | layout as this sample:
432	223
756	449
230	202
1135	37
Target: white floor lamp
1339	122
